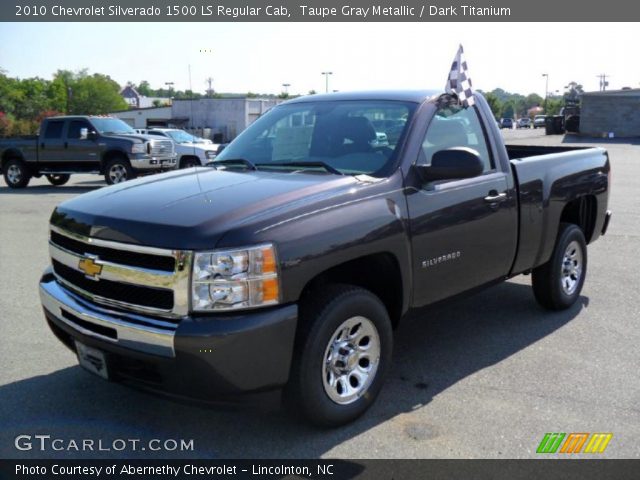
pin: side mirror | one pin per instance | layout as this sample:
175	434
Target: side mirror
452	163
84	133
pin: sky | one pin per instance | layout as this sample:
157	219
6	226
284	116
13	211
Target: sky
260	57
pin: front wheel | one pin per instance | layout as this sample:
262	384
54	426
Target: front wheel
343	350
118	170
557	284
189	162
57	180
16	173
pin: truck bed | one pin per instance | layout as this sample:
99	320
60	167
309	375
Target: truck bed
525	151
548	179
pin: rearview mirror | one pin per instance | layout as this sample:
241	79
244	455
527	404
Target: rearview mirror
452	163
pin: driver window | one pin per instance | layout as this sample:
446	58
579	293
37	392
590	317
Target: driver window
74	129
454	126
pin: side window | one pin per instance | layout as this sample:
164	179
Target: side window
54	130
74	129
456	127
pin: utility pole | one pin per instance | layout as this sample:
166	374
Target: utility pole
210	89
603	81
326	81
546	91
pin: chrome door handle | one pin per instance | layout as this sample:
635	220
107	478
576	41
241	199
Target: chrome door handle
495	197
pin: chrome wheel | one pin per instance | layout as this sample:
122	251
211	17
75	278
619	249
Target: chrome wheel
572	265
14	174
351	360
117	173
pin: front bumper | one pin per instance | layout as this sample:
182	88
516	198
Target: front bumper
205	357
143	161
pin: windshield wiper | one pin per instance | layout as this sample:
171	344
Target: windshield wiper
324	165
231	161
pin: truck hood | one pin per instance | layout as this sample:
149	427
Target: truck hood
194	208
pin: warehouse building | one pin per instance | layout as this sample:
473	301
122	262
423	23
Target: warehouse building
614	112
220	119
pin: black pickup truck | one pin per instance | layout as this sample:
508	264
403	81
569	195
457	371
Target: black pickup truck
83	144
290	261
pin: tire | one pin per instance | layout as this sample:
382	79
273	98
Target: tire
189	162
58	180
557	284
118	170
16	174
332	381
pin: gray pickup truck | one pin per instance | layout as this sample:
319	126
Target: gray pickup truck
290	260
83	144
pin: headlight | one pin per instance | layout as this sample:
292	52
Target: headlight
138	148
210	154
235	279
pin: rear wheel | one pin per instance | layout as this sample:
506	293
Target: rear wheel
16	173
557	284
343	351
118	170
189	162
58	180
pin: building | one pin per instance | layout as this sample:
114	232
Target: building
135	100
145	117
611	111
220	119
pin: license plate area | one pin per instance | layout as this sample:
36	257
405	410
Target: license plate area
92	360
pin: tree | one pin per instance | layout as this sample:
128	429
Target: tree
508	110
144	89
94	94
494	103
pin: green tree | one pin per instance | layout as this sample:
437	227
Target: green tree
494	103
508	110
94	95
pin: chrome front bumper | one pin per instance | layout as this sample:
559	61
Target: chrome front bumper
137	332
148	162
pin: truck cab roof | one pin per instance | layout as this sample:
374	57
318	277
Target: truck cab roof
416	96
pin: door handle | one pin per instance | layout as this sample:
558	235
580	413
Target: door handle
495	197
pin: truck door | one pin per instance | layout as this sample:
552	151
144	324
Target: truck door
81	152
464	231
51	150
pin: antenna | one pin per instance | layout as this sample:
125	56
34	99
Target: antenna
209	81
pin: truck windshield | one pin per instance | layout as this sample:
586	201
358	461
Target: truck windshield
346	137
108	125
180	136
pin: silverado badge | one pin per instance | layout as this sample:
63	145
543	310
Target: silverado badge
90	268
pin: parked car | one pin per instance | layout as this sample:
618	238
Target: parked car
539	121
506	123
524	122
190	150
289	262
83	144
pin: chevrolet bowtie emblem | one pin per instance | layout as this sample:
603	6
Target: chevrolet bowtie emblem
90	268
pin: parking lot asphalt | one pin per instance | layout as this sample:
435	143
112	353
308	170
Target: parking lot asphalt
485	377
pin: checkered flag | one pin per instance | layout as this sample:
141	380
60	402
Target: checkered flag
459	83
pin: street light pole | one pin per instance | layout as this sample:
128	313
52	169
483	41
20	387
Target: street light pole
286	87
546	91
326	81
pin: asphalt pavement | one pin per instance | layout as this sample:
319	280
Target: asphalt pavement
485	377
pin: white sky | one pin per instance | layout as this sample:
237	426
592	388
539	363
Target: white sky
260	57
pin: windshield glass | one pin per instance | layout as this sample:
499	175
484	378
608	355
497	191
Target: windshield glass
180	136
111	125
351	137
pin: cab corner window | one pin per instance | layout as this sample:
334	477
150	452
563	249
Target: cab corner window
454	126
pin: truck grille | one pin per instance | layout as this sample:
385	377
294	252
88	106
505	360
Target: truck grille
128	277
161	148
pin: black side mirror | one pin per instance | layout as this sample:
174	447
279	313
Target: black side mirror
452	163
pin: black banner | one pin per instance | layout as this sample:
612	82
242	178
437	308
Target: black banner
321	469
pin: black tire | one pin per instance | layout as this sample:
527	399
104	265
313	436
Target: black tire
16	173
57	180
557	284
118	170
188	162
320	318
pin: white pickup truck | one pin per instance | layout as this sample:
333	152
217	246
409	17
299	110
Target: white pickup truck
191	151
